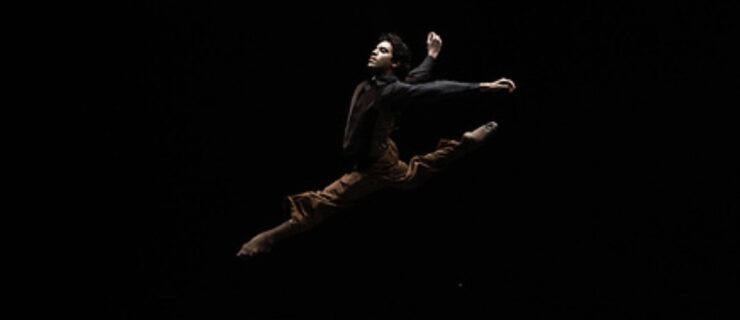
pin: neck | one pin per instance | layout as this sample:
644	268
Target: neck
381	73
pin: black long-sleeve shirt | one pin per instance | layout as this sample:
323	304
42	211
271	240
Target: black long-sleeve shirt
376	104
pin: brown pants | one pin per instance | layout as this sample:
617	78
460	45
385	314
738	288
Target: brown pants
309	208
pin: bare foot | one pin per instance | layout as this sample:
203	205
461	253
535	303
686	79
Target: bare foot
480	134
260	244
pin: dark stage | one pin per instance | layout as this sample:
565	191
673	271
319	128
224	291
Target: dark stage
607	192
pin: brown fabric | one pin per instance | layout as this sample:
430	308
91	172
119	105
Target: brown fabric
311	207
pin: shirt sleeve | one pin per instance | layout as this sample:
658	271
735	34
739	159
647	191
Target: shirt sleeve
421	73
400	93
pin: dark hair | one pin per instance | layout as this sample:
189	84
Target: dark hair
401	53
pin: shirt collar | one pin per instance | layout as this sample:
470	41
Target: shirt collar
383	80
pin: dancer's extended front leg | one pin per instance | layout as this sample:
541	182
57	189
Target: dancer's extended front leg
262	243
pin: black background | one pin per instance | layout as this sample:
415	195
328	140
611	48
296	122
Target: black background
608	192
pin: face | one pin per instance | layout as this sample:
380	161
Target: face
381	58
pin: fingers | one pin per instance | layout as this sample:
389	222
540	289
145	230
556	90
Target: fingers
508	83
433	38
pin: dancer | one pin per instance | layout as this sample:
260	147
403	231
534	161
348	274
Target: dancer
376	104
